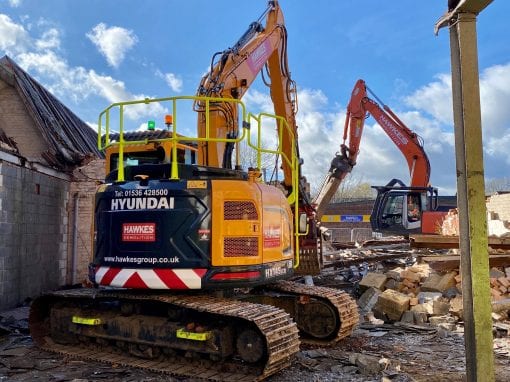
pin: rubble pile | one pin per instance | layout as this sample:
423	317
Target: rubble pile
419	295
498	224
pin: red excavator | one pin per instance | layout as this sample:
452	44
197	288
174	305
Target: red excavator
398	209
193	253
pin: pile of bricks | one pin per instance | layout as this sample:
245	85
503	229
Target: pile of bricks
419	295
500	284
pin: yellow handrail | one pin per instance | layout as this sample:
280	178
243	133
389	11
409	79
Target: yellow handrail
203	103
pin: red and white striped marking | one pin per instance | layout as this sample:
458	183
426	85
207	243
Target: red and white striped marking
150	278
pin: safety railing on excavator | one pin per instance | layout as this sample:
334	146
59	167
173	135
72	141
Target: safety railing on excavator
255	143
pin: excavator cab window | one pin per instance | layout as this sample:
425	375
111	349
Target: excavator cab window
402	210
393	210
398	211
158	156
150	163
137	158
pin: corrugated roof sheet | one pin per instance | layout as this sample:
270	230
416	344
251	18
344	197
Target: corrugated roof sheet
70	139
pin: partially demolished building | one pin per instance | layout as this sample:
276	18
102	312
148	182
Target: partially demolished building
47	155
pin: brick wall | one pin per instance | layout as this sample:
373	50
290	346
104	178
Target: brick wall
500	205
16	122
82	192
33	233
349	231
354	207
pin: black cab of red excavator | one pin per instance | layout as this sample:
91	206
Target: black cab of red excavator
398	209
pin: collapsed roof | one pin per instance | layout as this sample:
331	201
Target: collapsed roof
70	140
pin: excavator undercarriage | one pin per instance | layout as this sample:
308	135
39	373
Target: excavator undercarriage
194	335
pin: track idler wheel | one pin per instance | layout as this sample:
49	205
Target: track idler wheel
250	346
317	319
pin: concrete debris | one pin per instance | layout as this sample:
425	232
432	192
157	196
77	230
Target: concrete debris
373	280
496	273
428	296
420	318
408	317
439	283
456	307
436	320
367	364
368	299
501	306
15	320
426	308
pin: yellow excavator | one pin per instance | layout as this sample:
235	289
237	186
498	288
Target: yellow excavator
194	249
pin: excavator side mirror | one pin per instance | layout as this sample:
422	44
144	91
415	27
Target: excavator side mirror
303	223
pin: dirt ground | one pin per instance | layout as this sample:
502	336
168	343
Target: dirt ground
388	352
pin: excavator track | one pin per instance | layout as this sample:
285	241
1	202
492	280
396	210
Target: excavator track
342	311
275	326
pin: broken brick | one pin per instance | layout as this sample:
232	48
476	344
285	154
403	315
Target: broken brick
393	304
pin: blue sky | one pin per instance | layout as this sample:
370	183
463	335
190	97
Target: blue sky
91	53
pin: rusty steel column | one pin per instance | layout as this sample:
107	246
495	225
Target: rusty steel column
471	199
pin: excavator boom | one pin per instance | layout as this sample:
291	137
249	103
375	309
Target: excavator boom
231	76
407	141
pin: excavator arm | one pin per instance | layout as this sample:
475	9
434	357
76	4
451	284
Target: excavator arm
231	74
408	142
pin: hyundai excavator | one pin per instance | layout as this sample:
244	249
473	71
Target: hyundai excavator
194	254
398	209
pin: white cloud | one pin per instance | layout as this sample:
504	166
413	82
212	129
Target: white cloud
115	91
494	100
112	42
174	82
317	130
311	100
320	130
256	101
435	99
60	78
39	58
14	3
50	39
79	83
13	37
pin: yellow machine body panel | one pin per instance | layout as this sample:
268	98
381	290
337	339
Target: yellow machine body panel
245	233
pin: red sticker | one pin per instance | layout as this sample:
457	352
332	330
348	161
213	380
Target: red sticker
139	232
272	236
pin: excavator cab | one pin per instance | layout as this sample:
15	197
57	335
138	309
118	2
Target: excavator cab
150	148
401	210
